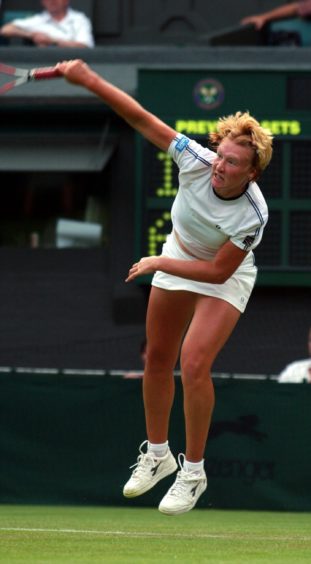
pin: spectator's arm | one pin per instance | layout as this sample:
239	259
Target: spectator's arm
63	43
11	30
284	11
43	40
38	38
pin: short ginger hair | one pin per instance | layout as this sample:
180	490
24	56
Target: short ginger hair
245	130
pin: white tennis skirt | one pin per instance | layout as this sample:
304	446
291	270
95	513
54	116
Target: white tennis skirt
236	290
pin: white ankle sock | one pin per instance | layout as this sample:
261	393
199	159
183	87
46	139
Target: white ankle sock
159	450
193	466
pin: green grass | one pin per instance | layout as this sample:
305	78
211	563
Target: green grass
37	534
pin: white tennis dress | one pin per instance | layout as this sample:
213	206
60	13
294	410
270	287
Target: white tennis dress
204	222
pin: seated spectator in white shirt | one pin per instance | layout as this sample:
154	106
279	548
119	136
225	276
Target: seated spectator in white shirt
57	25
299	371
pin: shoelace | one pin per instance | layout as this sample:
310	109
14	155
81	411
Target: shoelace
144	460
182	482
180	486
183	478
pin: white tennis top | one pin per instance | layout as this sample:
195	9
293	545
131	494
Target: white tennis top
75	26
203	220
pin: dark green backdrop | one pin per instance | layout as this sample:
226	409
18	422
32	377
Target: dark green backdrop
70	440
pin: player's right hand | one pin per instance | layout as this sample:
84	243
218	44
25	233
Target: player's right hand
75	71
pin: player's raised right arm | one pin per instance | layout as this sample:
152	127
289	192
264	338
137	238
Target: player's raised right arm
151	127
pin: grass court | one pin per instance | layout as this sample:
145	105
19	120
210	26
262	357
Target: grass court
52	534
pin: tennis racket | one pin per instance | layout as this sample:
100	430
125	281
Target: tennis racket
22	76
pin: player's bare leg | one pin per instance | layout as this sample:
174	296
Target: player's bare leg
168	317
211	325
169	314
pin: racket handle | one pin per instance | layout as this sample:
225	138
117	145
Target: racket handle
44	73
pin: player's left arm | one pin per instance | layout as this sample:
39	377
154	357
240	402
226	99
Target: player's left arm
215	271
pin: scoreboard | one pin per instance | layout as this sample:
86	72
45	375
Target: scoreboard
191	101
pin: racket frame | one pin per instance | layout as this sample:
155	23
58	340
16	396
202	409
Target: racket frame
22	76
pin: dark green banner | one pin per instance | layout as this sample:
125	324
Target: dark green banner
194	99
71	440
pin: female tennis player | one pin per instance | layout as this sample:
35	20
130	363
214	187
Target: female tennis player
202	280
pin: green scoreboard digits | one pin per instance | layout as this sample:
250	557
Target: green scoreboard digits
163	185
191	101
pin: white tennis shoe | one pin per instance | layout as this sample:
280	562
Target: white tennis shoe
149	470
185	492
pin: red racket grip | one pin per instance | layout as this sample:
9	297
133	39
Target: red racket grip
44	73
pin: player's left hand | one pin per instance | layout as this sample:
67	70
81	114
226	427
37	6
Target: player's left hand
146	265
